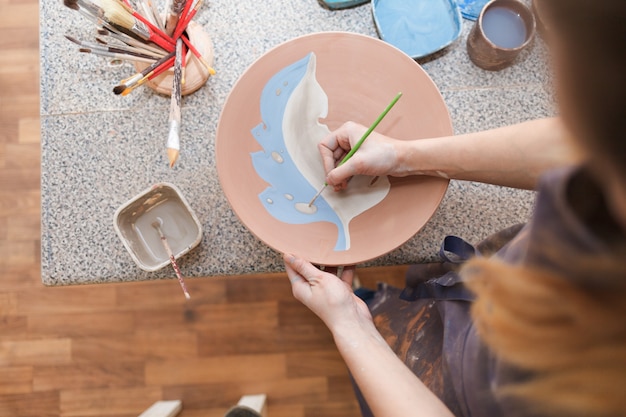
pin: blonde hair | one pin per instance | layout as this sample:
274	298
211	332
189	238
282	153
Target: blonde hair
571	337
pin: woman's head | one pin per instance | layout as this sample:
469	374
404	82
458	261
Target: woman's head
586	38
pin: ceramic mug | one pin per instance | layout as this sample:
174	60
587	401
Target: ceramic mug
503	29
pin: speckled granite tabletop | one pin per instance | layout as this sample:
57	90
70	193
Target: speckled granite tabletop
97	154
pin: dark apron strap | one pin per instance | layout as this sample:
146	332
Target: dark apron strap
454	251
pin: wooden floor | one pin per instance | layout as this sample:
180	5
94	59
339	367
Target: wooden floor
112	350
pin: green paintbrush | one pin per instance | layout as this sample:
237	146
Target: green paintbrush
360	142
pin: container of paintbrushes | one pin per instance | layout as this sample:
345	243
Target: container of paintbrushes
196	73
164	204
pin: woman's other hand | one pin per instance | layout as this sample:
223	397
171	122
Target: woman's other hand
330	297
379	155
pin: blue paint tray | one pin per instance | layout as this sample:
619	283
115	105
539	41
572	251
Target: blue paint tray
417	27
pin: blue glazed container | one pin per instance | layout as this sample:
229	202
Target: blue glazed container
417	27
470	9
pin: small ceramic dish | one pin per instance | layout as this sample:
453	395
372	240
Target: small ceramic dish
162	203
359	75
417	27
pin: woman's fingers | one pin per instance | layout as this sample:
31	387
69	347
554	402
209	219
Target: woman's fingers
347	275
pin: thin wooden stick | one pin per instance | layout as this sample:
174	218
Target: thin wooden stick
173	15
107	54
170	254
173	140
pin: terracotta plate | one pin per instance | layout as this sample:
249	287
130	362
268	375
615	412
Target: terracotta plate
360	75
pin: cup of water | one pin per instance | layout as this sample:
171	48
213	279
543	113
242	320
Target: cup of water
503	29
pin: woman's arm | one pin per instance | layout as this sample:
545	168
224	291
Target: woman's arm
389	387
513	156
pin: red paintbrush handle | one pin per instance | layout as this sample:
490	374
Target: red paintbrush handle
182	18
181	27
156	35
190	46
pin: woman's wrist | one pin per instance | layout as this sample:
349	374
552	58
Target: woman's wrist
418	157
350	334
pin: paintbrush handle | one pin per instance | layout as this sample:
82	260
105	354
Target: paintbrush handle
370	130
113	55
183	18
170	254
173	16
197	54
173	139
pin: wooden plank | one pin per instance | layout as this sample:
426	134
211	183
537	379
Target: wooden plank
17	253
29	130
328	409
35	352
105	324
278	391
19	39
8	304
249	289
293	313
18	82
76	299
24	227
107	373
319	363
21	276
210	317
16	379
16	179
14	15
23	156
166	293
107	401
41	404
21	202
215	369
235	340
285	410
13	326
340	388
146	344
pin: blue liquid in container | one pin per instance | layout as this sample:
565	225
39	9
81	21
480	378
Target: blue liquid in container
504	27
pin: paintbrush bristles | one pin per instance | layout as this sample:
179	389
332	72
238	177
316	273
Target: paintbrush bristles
117	13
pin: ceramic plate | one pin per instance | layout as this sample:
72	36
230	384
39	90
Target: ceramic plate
417	27
360	75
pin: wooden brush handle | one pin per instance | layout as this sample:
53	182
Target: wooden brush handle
173	14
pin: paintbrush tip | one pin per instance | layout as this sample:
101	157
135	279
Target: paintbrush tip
72	39
172	156
72	4
187	296
119	89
